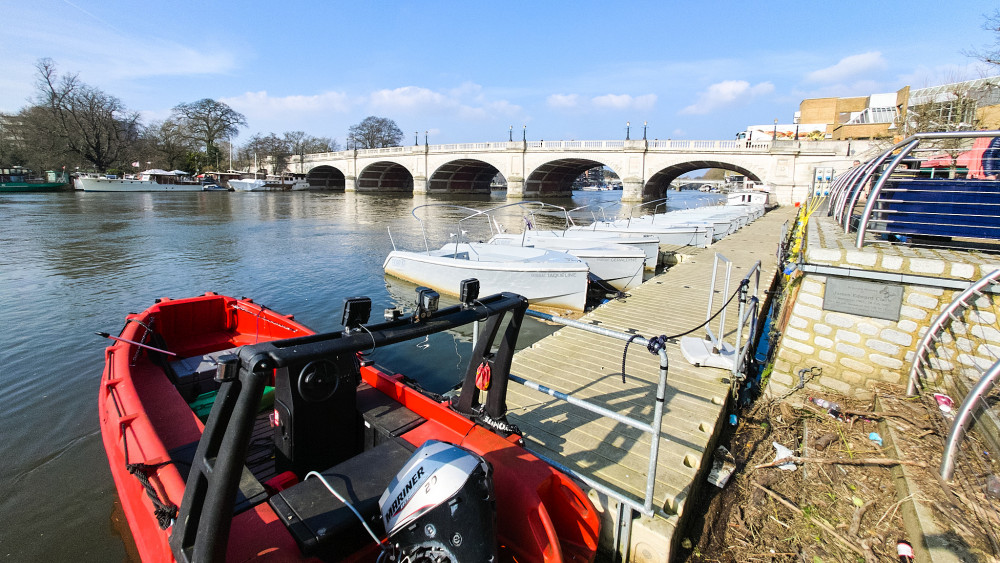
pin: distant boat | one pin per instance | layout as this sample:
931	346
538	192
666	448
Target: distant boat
19	179
154	180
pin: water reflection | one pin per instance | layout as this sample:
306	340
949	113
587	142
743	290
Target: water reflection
76	262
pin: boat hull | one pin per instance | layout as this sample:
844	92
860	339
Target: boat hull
145	421
561	285
670	237
617	265
10	187
129	185
647	244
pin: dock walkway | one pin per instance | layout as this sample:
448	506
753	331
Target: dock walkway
588	366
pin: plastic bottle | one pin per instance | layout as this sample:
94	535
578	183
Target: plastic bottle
831	407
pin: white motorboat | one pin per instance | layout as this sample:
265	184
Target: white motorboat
544	277
270	183
154	180
671	236
619	266
698	226
648	244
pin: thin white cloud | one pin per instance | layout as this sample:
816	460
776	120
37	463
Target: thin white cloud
409	98
563	101
727	93
849	68
468	101
624	101
603	102
260	107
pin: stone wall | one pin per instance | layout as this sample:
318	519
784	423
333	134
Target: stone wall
853	350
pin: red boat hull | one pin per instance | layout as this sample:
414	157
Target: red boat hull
542	514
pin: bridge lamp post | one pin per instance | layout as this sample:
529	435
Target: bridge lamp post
644	124
416	138
524	134
774	135
627	126
425	137
510	134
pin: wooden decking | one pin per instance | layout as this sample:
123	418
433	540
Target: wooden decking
589	366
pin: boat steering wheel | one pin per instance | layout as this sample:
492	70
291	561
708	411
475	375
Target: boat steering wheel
318	381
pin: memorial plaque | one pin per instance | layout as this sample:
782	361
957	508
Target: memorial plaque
864	298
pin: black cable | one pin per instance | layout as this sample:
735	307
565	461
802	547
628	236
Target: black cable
658	342
743	283
625	353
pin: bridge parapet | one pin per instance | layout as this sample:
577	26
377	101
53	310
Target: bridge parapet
547	168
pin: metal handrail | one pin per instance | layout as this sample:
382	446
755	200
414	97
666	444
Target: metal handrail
747	314
849	193
937	324
646	507
963	417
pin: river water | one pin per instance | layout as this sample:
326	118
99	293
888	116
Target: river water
73	263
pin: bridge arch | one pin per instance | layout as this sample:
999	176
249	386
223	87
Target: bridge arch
463	176
326	177
555	177
656	186
384	176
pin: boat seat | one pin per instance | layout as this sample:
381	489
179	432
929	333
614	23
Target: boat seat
325	527
383	418
196	375
250	492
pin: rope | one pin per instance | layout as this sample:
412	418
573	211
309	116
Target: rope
165	512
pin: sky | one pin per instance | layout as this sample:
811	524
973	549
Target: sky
469	71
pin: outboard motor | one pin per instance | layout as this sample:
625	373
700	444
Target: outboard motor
441	507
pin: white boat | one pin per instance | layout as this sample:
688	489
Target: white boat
544	277
154	180
269	183
671	236
746	196
619	266
648	244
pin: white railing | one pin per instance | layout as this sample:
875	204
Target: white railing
655	145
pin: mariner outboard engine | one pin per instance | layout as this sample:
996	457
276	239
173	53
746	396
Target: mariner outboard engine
441	507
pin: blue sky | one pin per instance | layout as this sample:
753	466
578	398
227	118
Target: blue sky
467	71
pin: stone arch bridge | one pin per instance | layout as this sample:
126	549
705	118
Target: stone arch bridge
539	169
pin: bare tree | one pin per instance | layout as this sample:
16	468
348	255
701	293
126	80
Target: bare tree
300	144
990	55
268	147
71	118
208	121
374	133
166	144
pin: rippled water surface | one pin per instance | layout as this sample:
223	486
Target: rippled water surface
74	263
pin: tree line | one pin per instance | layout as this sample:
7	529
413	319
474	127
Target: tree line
70	124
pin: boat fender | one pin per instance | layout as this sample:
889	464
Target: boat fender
483	376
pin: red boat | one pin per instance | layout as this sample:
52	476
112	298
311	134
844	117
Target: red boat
235	433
